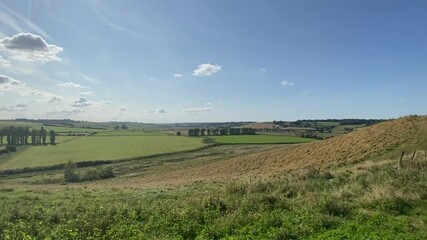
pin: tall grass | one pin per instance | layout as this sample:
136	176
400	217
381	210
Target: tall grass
369	203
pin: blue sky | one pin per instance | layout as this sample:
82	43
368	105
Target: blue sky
192	61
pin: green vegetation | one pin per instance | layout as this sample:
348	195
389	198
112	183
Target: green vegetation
370	203
324	190
260	139
98	148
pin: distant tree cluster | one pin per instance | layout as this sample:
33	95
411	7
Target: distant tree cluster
220	131
16	136
124	127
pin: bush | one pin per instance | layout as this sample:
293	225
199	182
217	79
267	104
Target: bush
106	172
11	148
70	172
90	175
4	151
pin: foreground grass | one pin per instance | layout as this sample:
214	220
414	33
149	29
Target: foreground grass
375	202
98	148
259	139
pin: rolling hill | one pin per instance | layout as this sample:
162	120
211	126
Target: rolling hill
381	141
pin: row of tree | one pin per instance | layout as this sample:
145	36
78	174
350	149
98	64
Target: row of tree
220	131
15	136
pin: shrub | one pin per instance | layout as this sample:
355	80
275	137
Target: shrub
90	175
70	172
106	172
4	151
11	148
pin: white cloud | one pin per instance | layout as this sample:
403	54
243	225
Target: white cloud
65	112
197	110
81	102
72	85
122	109
206	69
55	99
7	83
85	93
160	110
177	75
287	83
4	62
38	94
30	47
263	70
14	108
106	102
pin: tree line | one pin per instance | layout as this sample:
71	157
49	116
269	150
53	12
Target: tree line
16	136
220	131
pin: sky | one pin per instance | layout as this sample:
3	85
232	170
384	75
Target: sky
164	61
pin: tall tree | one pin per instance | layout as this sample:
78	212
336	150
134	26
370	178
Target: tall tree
34	137
52	137
43	135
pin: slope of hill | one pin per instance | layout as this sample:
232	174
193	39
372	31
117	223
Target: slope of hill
384	140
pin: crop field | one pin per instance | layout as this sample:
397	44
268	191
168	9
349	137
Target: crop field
93	148
260	139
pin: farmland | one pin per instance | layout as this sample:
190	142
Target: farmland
91	148
344	187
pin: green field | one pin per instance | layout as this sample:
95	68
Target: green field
97	148
129	133
260	139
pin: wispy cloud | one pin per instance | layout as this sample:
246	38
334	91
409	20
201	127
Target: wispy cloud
73	85
19	23
81	102
263	69
197	110
85	93
14	108
206	69
177	75
7	83
55	99
286	83
89	79
4	62
160	110
62	113
109	18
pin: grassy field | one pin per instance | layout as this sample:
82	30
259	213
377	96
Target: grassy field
349	187
129	133
97	148
366	201
260	139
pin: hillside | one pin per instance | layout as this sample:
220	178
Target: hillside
383	140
